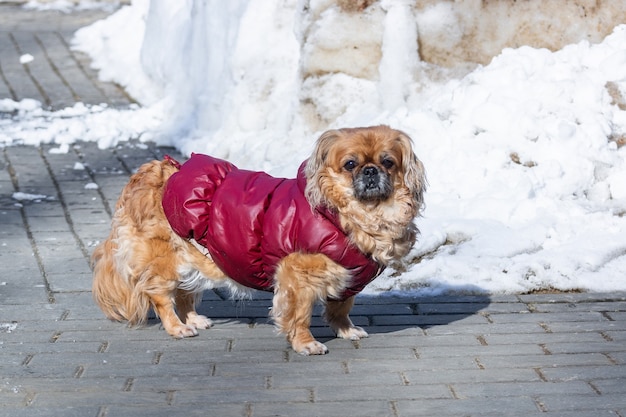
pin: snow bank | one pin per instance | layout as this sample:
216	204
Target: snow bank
29	124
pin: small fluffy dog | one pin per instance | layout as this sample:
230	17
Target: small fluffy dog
181	229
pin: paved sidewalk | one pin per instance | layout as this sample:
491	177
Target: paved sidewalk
56	76
550	355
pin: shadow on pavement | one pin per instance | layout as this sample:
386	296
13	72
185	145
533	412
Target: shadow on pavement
384	313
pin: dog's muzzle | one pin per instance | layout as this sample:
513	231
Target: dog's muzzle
371	184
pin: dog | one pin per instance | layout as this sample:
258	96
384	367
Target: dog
181	229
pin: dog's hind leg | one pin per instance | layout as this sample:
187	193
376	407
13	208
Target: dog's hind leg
300	281
202	273
336	314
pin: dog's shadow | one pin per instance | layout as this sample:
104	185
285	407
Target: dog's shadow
386	313
380	313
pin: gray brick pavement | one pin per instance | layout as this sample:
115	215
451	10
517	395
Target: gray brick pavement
58	76
467	355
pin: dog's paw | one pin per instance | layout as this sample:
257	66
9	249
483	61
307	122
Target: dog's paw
312	348
182	331
352	333
199	322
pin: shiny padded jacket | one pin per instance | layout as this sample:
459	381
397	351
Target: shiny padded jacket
249	221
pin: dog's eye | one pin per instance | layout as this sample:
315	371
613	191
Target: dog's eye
387	163
350	165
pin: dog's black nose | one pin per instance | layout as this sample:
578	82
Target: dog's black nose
370	171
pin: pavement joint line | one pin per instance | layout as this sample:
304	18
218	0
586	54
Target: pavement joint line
64	315
540	405
606	336
92	176
81	67
55	336
610	358
545	349
26	67
29	398
55	69
6	82
170	396
540	374
607	316
594	388
104	346
405	379
128	384
79	371
66	211
29	233
416	352
545	327
394	408
453	392
103	411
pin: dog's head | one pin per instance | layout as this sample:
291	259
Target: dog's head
366	165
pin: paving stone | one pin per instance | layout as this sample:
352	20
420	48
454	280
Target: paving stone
583	371
587	306
428	320
67	411
573	347
470	376
567	298
70	281
610	386
543	338
521	389
150	410
467	407
576	402
554	360
582	326
360	407
455	327
547	317
242	396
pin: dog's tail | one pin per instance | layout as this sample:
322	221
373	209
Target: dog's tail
113	291
119	263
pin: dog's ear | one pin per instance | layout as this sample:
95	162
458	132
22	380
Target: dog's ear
315	164
414	172
320	153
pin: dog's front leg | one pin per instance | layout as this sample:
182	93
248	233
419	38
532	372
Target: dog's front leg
292	309
336	314
300	281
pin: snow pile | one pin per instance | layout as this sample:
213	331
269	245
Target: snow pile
524	158
528	189
27	123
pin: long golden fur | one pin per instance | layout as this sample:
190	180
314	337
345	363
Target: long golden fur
370	176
